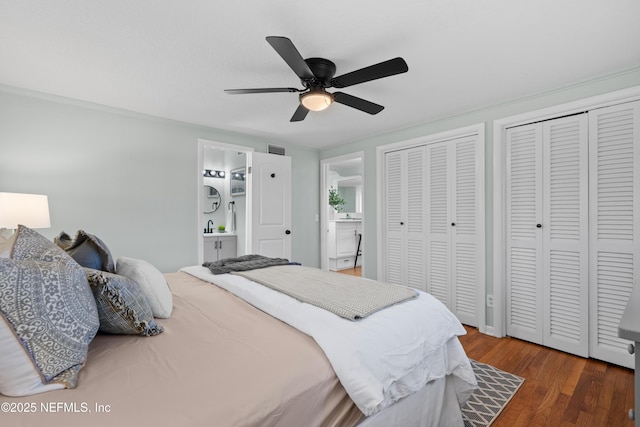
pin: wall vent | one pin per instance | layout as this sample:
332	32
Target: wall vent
274	149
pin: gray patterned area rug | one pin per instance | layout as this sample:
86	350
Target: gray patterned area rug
495	390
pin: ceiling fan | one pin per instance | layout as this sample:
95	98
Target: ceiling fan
316	75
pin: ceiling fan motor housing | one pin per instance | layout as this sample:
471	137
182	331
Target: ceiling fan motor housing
323	69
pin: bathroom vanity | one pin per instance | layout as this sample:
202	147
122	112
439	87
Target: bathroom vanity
342	243
219	246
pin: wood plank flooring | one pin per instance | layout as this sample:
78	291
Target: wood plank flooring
560	389
352	271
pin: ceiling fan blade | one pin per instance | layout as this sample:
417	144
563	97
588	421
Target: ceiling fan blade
291	56
262	90
300	114
357	103
373	72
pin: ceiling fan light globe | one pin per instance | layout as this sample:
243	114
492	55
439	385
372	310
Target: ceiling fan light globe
316	100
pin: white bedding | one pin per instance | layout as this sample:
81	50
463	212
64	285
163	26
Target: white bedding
379	360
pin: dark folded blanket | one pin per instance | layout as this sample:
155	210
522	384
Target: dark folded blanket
243	263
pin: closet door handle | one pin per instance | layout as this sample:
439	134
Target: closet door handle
401	223
287	232
453	224
539	225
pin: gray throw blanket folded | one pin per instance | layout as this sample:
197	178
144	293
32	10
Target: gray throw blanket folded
243	263
347	296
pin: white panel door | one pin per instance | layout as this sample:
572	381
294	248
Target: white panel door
565	234
523	236
269	205
614	144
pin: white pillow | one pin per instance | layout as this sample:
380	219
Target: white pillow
152	282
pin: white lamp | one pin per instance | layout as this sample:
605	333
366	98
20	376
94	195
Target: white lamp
316	100
30	210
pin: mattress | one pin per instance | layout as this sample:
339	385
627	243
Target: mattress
220	362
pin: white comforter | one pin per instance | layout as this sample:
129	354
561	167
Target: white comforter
378	360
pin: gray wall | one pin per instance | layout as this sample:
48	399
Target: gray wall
487	115
128	178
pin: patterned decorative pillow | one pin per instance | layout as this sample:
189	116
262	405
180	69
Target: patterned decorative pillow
122	306
48	317
152	283
88	250
30	244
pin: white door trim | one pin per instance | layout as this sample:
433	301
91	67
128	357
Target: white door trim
499	181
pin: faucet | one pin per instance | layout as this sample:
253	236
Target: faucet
208	229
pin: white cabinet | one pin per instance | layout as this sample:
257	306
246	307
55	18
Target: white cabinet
342	244
219	246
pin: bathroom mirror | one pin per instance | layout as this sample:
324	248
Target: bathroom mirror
350	189
212	199
238	182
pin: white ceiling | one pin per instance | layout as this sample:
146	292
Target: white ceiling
173	59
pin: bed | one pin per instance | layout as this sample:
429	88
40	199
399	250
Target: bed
221	361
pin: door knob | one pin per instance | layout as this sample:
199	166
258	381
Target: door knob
539	225
453	224
287	232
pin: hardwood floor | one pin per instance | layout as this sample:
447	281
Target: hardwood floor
352	271
560	389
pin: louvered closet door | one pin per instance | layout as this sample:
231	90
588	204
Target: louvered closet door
565	234
523	237
614	142
405	217
453	244
394	188
547	234
415	218
467	244
439	187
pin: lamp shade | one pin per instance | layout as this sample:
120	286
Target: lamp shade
316	100
30	210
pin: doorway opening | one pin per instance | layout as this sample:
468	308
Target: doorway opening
221	206
342	214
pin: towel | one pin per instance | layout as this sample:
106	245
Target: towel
231	218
